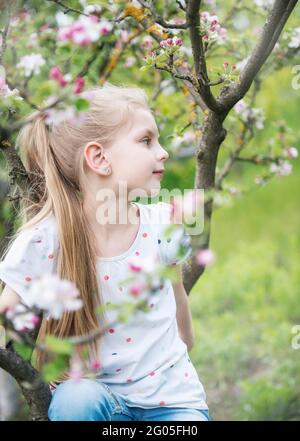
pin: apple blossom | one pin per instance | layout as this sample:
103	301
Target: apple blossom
56	74
291	152
84	31
31	64
130	61
205	257
295	38
283	168
253	115
186	208
6	92
54	295
56	116
211	28
265	4
22	319
79	84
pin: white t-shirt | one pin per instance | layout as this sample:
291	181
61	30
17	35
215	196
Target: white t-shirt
143	359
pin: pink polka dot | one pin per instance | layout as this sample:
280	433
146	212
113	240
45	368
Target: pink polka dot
118	370
38	241
106	277
129	380
186	374
162	403
28	279
152	373
145	234
111	330
128	339
50	256
137	253
152	305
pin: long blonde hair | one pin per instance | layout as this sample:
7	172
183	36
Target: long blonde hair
54	157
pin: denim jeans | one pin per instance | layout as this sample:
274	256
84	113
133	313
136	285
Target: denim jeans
92	400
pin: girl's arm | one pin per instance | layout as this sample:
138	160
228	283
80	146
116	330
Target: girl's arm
8	298
183	314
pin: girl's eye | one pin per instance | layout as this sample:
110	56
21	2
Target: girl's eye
148	139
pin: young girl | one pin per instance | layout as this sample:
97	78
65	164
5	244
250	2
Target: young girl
145	372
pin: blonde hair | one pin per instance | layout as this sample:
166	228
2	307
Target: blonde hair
54	157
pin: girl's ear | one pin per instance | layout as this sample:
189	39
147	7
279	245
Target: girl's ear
96	158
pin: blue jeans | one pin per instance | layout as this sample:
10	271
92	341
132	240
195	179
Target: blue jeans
93	400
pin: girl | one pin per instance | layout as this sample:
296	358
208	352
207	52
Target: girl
145	372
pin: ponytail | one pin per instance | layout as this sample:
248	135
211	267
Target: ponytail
59	194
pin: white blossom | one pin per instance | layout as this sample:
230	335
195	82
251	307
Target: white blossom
295	38
31	64
21	318
63	19
54	295
283	168
250	115
265	4
291	152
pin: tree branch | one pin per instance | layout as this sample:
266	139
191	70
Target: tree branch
273	26
193	20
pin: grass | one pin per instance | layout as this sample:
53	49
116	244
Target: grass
244	307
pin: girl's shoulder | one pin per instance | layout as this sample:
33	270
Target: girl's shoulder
32	253
174	244
157	213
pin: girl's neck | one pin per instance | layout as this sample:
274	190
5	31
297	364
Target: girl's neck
112	223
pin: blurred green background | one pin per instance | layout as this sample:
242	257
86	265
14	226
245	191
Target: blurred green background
245	305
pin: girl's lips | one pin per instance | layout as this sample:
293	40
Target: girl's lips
160	174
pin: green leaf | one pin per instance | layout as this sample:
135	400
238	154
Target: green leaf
58	345
145	68
82	104
24	350
52	370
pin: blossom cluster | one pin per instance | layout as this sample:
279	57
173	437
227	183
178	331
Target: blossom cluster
84	31
211	29
250	115
50	294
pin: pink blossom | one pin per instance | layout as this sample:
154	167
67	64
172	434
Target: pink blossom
205	257
84	31
79	84
163	43
291	152
56	74
175	41
147	42
186	208
129	61
22	319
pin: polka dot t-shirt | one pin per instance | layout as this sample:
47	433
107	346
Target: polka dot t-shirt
143	359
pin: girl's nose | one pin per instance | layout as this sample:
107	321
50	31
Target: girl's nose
163	154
